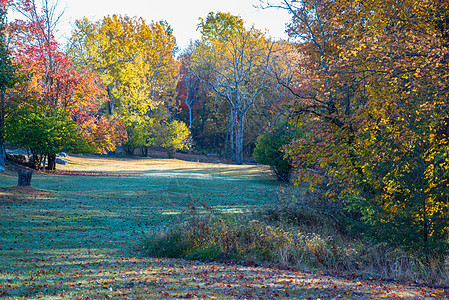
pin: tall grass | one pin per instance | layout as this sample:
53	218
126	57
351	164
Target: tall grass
291	236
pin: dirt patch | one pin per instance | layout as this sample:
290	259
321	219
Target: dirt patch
19	193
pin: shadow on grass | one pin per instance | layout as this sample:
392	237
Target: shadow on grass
84	241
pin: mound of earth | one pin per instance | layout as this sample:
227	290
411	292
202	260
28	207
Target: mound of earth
18	193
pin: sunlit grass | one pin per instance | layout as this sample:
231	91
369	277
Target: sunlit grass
71	243
85	240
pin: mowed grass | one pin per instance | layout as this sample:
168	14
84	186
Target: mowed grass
90	219
83	241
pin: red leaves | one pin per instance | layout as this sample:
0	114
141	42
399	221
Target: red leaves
4	4
55	85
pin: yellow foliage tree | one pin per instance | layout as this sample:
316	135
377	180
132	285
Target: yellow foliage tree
136	63
371	87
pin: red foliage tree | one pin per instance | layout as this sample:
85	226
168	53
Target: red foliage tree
54	85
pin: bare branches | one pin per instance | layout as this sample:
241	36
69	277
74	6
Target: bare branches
238	65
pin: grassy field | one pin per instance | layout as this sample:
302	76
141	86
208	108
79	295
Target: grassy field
78	237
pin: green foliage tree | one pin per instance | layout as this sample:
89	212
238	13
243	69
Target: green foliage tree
45	136
269	150
172	136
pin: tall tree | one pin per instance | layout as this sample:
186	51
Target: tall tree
239	60
54	87
8	78
370	86
136	65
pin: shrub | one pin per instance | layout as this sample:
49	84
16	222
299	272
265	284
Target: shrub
290	235
268	150
219	237
172	136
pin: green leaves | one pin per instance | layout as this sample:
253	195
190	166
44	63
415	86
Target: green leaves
269	148
172	136
44	135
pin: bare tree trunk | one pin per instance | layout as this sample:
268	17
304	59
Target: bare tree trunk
227	141
188	101
239	142
51	163
110	101
25	177
171	152
144	151
203	114
232	126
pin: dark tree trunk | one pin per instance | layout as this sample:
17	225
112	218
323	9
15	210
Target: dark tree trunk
239	142
2	154
129	150
34	161
110	102
144	151
171	153
51	162
25	177
2	129
203	116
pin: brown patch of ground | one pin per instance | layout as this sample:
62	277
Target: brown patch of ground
19	193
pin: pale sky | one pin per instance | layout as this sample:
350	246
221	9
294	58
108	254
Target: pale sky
182	15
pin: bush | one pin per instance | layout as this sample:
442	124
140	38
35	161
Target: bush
173	136
290	235
268	150
219	237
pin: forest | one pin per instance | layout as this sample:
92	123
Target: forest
354	105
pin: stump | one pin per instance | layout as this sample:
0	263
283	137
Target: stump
25	177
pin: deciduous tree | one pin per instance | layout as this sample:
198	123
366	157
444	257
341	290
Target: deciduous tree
8	77
370	84
239	60
53	85
136	64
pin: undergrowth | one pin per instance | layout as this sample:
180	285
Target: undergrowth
291	235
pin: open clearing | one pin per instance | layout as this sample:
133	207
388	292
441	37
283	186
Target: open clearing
78	237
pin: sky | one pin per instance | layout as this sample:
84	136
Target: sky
182	15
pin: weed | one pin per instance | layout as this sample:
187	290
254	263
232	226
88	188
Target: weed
289	236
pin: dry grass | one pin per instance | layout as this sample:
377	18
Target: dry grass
126	165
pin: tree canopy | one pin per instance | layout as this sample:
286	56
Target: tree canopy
370	85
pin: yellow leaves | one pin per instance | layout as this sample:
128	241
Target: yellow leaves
135	60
